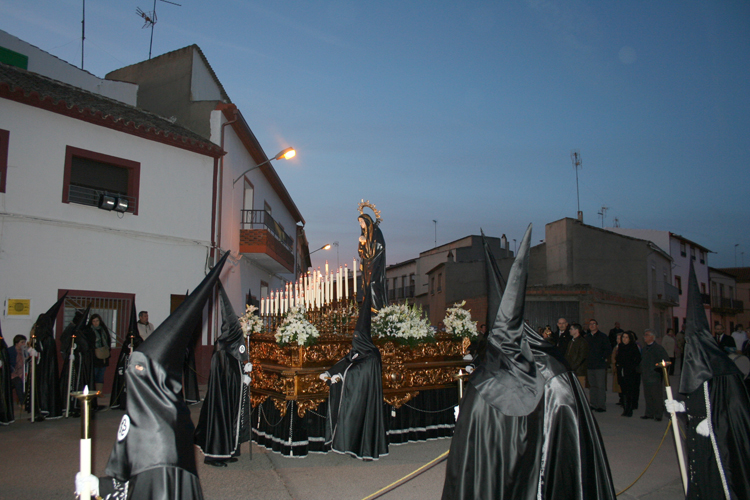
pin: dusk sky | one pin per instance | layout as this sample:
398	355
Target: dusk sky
465	112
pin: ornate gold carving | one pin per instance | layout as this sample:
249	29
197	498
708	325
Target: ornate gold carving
280	405
307	404
397	400
257	399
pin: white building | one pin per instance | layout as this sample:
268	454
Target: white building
682	251
61	149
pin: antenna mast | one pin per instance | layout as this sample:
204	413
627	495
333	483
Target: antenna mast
603	213
83	31
575	155
150	20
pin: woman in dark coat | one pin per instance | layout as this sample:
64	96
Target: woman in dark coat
101	353
627	361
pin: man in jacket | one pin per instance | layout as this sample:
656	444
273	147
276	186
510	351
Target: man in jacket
577	352
599	353
652	376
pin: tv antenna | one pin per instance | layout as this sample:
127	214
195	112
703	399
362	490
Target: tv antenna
149	19
575	155
616	222
83	31
603	213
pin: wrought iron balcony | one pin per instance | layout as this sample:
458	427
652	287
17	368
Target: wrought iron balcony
666	293
726	306
262	237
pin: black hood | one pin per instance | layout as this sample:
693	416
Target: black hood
157	430
704	359
507	378
495	284
231	339
45	322
133	335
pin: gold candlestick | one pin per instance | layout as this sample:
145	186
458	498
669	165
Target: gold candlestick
85	398
675	429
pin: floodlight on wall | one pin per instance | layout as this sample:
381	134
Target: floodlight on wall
286	154
107	201
121	205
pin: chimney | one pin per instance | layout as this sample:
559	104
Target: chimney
503	242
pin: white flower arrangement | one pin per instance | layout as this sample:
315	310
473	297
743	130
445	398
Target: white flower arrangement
296	328
458	321
402	323
250	322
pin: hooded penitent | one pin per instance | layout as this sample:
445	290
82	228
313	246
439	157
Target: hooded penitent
82	375
48	400
132	340
224	422
154	451
356	423
553	450
6	394
718	409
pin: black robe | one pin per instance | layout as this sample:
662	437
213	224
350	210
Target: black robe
224	422
356	412
48	402
118	398
715	392
372	254
6	386
190	375
82	375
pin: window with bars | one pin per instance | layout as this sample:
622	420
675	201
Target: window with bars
114	309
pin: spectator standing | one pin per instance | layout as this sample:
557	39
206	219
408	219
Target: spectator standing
144	327
562	336
726	342
679	347
669	344
101	350
739	337
653	377
19	355
616	387
599	352
613	333
577	353
628	360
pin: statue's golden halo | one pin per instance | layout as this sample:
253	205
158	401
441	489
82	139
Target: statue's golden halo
371	206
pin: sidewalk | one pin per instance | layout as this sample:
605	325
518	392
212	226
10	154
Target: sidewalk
40	461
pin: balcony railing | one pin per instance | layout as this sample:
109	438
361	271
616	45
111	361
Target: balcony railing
89	196
401	293
667	293
724	304
260	219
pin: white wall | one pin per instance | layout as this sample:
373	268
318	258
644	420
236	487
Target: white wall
46	245
50	66
203	87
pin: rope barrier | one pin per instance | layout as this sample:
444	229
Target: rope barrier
406	478
666	431
437	460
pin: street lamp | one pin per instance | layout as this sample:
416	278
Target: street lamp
287	154
327	246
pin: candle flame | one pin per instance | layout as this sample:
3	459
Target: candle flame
86	390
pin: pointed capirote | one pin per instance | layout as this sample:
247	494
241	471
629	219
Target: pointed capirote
52	311
495	283
508	326
231	338
704	359
166	346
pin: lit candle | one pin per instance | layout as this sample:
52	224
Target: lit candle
354	275
346	282
326	269
85	461
338	284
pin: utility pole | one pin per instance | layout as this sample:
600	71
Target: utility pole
576	157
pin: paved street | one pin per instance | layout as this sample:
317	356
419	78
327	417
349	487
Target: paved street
40	460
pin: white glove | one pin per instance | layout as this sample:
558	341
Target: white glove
93	484
674	406
336	378
33	352
246	379
72	356
356	355
248	367
703	428
325	376
468	357
469	369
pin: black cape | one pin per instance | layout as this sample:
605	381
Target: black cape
714	392
133	339
554	451
77	335
356	418
48	401
224	422
6	386
190	373
154	450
